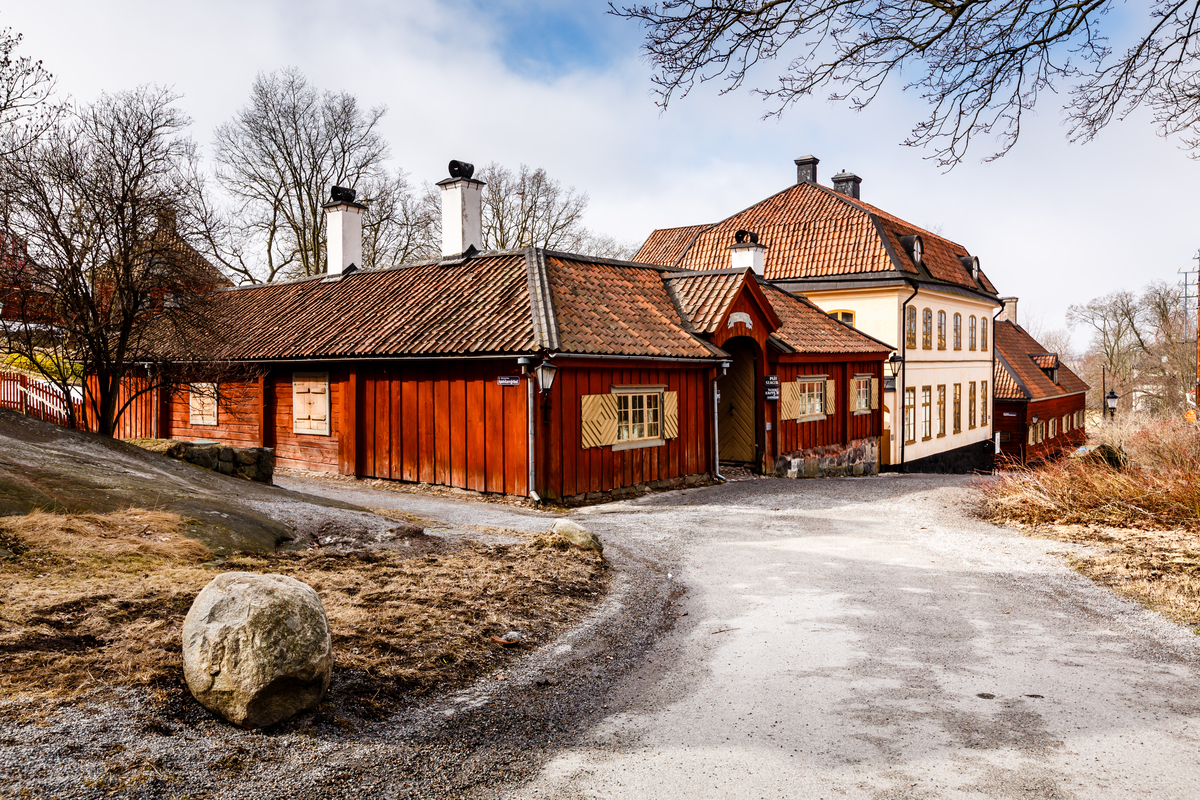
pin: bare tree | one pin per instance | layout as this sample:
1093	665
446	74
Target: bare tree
278	157
25	90
981	65
101	205
399	225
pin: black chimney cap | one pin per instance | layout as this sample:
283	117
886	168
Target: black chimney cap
461	169
742	236
340	194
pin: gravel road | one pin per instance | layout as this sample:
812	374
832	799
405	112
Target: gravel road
768	638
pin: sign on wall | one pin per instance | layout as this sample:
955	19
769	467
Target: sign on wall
771	383
508	380
742	317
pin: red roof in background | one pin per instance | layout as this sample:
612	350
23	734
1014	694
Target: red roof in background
811	231
1021	365
808	329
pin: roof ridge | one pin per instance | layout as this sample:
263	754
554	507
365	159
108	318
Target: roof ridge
541	303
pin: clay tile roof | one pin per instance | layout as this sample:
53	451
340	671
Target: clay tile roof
705	297
811	231
666	245
808	329
1020	370
475	307
609	308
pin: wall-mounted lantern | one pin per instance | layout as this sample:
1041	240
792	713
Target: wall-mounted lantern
1110	402
895	363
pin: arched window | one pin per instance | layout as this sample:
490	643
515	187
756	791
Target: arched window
958	331
910	328
941	330
983	333
927	329
971	333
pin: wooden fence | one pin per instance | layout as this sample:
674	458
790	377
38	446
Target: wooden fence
36	398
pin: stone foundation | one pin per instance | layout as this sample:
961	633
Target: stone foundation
626	492
252	463
859	457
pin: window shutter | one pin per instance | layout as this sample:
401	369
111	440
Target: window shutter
789	400
670	415
310	402
301	405
830	401
599	420
202	404
874	393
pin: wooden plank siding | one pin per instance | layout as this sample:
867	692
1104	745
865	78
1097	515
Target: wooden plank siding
566	469
840	427
1022	414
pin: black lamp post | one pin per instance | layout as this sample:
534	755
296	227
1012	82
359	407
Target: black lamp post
1110	402
545	372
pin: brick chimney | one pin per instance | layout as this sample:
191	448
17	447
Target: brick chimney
847	183
1009	313
806	169
343	232
746	252
462	210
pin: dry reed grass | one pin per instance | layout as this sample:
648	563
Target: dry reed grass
1143	522
94	601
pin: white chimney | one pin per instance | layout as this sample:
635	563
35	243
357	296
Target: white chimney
343	234
746	252
462	210
1009	314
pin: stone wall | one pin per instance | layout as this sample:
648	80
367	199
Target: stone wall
860	457
251	463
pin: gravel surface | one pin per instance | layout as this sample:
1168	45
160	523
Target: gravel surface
766	638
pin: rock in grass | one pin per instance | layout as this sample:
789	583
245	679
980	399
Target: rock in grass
577	535
256	648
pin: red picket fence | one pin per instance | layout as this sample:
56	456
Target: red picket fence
37	398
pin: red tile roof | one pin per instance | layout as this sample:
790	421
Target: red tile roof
811	231
808	329
705	297
1019	373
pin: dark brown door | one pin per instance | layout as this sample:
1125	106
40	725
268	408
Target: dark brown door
736	425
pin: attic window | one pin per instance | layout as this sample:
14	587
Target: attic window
914	247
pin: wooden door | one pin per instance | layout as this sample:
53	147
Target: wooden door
736	424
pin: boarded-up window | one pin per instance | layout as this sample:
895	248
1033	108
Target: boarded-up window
310	403
628	416
202	403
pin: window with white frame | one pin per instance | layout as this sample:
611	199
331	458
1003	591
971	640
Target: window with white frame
862	393
310	403
811	398
926	412
1053	427
202	403
639	416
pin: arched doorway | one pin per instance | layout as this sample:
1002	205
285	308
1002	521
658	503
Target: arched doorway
737	424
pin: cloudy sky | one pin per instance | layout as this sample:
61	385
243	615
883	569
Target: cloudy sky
562	85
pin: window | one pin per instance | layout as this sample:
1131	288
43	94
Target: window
811	399
983	333
1053	427
1066	423
971	404
1032	434
910	328
957	406
202	403
958	331
926	413
842	315
942	410
310	403
862	393
971	333
638	417
927	329
983	403
941	330
910	416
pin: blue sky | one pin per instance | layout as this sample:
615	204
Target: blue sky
562	85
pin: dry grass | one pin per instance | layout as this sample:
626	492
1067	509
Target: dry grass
1143	522
92	601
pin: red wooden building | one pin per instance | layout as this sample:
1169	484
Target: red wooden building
1039	402
535	373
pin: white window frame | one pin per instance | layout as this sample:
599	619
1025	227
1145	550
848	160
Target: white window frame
926	413
200	396
862	394
639	416
810	393
308	430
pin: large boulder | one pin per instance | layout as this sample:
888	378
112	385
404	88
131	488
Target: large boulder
576	535
256	648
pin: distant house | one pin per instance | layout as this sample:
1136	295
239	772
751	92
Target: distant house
536	373
924	294
1039	401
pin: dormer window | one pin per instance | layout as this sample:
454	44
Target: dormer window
914	247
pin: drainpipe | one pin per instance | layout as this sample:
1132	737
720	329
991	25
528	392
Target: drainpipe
717	423
900	397
526	363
